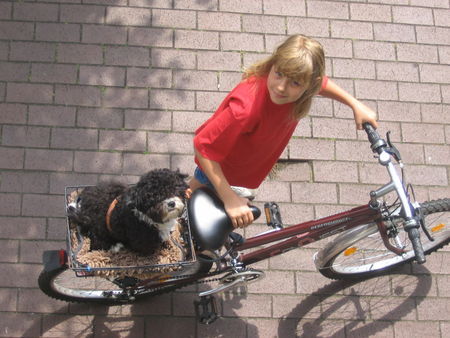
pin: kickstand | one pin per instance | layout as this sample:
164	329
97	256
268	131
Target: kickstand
206	309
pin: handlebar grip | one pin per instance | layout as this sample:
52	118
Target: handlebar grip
371	133
414	237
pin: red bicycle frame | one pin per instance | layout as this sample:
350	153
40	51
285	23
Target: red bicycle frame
305	233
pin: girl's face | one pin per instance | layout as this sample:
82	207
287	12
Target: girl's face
283	89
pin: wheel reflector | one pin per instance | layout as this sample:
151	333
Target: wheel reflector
438	227
350	251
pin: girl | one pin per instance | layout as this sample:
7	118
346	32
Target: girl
241	142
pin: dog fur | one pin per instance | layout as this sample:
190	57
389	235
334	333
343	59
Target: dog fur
157	198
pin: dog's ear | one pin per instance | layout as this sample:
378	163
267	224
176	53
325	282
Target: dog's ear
129	201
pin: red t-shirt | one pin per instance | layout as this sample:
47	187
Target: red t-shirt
247	134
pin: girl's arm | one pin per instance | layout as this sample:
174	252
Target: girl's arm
361	112
235	206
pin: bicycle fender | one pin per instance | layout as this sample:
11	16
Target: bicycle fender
54	259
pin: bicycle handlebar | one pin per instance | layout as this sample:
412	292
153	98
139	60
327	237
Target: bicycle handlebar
378	145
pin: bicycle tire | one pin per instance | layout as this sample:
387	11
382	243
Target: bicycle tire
360	252
62	284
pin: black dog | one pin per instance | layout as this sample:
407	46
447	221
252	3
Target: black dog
140	216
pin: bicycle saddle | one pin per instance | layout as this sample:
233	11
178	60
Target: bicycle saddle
210	224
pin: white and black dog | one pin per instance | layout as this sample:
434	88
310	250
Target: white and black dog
139	216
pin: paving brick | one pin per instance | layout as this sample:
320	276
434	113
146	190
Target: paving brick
82	14
32	51
8	299
154	37
219	61
74	138
145	3
444	54
229	80
33	300
406	329
209	5
374	50
102	76
136	164
417	53
98	162
103	34
433	35
339	48
394	32
219	21
127	56
13	71
42	206
100	118
77	53
53	73
40	159
128	16
368	12
10	30
362	69
352	30
311	149
333	128
242	41
445	94
308	26
6	10
29	93
264	24
10	204
4	50
250	6
57	32
35	12
435	112
174	19
412	153
77	95
427	175
172	99
9	251
437	154
122	140
22	227
433	309
353	151
13	113
376	90
434	73
125	98
274	191
197	40
169	143
395	71
248	306
59	181
20	324
11	158
51	115
21	136
415	92
328	9
335	171
399	111
30	251
24	182
195	80
150	120
412	15
67	325
19	275
178	59
314	193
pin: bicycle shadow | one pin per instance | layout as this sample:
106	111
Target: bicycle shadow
359	308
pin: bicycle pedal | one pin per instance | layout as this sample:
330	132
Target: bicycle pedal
206	309
273	215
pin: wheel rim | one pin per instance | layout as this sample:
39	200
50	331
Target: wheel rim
369	253
92	287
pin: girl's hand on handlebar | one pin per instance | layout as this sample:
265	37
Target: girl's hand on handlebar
362	114
238	210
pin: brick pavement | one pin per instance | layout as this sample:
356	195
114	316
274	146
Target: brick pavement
92	89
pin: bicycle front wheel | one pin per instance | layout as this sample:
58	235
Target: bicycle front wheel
360	252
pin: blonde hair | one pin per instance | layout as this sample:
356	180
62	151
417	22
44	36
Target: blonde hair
301	59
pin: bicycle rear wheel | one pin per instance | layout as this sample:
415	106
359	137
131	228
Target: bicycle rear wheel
63	284
360	252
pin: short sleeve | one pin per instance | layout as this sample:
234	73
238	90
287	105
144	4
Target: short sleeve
324	83
216	138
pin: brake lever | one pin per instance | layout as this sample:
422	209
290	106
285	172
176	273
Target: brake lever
392	149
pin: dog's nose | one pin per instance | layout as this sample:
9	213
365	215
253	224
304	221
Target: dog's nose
171	204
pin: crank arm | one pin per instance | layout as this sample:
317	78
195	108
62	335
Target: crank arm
223	287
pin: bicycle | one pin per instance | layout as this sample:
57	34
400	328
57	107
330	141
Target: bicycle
373	238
